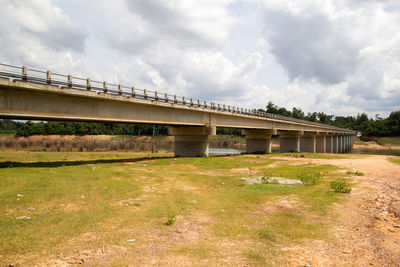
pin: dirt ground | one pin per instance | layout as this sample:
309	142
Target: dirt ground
367	230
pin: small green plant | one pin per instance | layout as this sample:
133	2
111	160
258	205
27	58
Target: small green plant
341	186
356	172
309	178
171	220
268	180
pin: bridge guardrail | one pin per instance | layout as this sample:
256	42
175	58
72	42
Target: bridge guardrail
68	81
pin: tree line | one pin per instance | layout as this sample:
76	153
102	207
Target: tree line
377	126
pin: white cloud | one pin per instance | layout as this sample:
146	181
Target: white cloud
37	32
340	57
351	45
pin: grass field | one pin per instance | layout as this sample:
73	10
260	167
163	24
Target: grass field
394	159
390	141
111	208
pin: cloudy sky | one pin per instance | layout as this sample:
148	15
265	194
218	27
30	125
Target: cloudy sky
337	56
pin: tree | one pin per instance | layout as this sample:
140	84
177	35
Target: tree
297	113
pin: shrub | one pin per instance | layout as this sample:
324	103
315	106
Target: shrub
171	220
357	173
309	179
341	186
268	180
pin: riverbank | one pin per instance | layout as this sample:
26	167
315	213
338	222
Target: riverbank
102	143
383	146
219	144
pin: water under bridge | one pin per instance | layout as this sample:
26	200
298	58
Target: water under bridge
32	94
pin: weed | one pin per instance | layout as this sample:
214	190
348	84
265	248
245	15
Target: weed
395	160
268	180
341	186
266	235
310	178
356	172
171	220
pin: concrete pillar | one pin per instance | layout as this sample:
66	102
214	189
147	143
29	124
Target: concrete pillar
346	143
191	141
258	141
340	143
335	148
308	142
289	141
320	143
329	144
350	142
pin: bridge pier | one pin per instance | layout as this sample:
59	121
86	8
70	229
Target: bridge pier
191	141
321	143
308	142
289	141
329	144
258	141
335	141
350	143
340	143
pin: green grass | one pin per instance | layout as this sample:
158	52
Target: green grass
114	197
390	141
395	160
355	172
341	186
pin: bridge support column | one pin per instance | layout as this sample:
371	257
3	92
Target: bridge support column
191	141
347	143
329	144
321	143
308	142
289	141
335	148
258	141
340	143
350	142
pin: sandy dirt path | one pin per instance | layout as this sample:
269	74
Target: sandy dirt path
367	231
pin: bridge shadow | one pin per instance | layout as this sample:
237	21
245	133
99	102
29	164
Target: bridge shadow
54	164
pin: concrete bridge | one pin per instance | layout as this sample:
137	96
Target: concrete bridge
43	95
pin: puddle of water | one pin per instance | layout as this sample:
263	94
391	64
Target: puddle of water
224	151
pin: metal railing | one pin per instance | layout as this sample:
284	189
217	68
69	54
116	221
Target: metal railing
68	81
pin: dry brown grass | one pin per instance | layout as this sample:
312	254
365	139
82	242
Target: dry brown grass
68	143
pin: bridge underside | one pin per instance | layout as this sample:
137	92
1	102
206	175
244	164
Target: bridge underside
191	125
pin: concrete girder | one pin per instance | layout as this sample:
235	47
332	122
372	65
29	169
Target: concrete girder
29	100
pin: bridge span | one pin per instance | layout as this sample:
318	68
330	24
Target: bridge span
43	95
